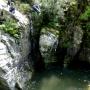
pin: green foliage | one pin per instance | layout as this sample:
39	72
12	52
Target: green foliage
48	18
85	17
25	8
85	20
86	14
88	26
64	39
11	27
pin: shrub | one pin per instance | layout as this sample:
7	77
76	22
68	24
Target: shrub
25	8
86	14
10	27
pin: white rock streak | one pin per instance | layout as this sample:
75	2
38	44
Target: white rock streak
18	15
10	56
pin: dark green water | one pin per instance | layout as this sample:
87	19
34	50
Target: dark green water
55	79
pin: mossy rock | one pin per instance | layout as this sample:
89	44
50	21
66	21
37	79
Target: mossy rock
46	30
48	43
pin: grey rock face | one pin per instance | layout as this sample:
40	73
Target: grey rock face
48	44
85	55
76	41
12	65
76	35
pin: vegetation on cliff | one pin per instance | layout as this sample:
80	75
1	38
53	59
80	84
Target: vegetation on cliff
67	19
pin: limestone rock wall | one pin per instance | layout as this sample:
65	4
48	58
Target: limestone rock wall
13	60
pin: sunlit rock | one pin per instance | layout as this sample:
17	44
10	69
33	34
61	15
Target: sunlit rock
23	20
48	43
14	66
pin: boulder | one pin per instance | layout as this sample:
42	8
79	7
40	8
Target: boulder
48	43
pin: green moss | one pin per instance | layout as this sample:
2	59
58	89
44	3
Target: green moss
47	30
86	14
10	27
25	8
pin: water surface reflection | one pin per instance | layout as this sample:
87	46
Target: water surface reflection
55	79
